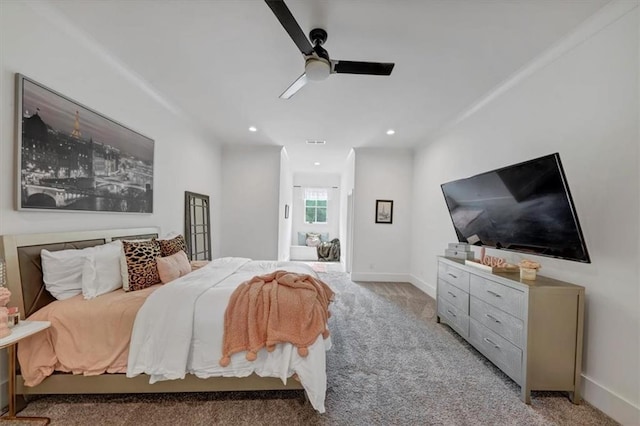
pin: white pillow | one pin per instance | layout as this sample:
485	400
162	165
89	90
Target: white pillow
101	270
62	272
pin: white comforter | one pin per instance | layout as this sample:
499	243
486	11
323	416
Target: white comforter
179	330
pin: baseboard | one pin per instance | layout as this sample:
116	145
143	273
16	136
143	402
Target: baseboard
610	403
380	277
423	286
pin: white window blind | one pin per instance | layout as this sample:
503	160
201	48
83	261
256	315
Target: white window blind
316	194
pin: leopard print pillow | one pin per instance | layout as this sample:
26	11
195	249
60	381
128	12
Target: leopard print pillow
140	263
172	246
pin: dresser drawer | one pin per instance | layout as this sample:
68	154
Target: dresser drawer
502	297
502	353
453	295
453	275
507	326
457	319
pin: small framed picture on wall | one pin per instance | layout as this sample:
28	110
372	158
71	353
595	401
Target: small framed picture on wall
384	211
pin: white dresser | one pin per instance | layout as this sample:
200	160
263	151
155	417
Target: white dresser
531	330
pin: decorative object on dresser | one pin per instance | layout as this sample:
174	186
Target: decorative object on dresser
531	330
491	263
459	251
504	267
71	157
528	269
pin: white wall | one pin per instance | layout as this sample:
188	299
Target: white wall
52	52
331	181
286	199
346	189
381	252
251	194
584	105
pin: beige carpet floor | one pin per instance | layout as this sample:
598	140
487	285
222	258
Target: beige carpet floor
391	364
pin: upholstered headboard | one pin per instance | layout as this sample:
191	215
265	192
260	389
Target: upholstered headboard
24	268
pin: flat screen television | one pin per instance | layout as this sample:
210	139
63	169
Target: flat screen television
526	207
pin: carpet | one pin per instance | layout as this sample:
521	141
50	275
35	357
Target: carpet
391	364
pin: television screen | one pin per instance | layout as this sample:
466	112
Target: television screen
526	207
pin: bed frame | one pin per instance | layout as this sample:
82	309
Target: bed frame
28	293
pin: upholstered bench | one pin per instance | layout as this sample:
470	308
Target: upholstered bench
303	253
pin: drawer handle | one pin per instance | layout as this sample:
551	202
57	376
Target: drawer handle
452	294
451	313
451	275
496	320
491	343
494	293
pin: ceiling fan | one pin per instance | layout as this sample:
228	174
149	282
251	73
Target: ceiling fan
318	66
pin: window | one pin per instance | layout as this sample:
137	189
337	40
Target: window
315	205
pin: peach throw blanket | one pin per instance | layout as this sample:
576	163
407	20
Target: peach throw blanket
275	308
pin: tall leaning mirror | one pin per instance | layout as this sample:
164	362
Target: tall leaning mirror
197	225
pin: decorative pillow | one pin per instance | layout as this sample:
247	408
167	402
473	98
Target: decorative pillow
313	240
139	264
173	267
172	246
302	238
62	272
101	270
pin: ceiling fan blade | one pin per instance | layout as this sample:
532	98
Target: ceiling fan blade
295	86
354	67
290	24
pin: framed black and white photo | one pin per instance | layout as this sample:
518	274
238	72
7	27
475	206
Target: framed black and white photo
72	158
384	211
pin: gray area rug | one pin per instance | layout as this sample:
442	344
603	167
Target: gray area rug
391	364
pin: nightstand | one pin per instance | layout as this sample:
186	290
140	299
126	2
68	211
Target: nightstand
20	331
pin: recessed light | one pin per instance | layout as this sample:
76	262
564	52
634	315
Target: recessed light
253	129
316	164
391	132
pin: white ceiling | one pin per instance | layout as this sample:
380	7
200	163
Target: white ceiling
224	63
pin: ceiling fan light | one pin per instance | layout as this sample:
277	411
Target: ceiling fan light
317	69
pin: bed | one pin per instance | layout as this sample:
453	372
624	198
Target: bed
22	252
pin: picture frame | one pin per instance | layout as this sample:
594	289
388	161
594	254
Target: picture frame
384	211
286	211
72	158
